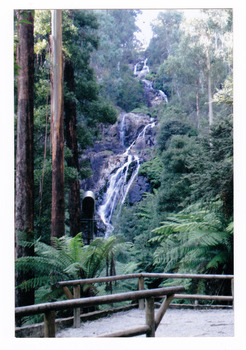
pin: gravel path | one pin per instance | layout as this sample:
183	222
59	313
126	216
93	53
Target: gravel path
175	323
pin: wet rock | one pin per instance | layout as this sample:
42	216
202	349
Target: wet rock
138	189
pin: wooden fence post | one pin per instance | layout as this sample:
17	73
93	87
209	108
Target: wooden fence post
141	287
232	291
76	311
150	316
49	324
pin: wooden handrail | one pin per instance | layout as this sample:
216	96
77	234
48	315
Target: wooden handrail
49	308
205	297
138	275
104	299
98	280
186	275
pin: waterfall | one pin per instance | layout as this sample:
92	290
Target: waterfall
144	71
120	180
163	95
122	130
141	73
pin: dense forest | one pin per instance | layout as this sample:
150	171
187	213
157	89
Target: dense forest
184	221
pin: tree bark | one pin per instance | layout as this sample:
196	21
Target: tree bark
210	95
72	143
24	182
57	137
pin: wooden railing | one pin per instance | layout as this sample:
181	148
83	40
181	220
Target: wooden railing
76	302
152	322
140	276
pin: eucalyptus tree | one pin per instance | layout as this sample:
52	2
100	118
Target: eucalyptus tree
212	32
24	184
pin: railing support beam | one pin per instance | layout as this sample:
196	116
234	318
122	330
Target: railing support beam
150	316
162	310
49	324
141	287
76	311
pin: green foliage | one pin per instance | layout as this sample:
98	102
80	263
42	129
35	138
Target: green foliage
68	258
175	185
211	162
147	217
173	122
130	92
115	53
152	169
195	240
166	36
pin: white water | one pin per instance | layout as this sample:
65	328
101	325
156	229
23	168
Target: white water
142	73
121	180
163	95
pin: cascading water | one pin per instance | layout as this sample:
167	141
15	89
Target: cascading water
121	180
141	74
163	95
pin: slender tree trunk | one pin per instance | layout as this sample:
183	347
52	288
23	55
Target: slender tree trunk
72	143
24	190
44	161
197	110
210	96
58	206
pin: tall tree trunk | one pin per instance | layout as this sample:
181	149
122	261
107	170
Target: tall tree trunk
57	137
72	143
197	110
24	183
210	96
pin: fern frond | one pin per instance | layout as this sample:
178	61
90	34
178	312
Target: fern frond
75	247
217	260
36	264
34	283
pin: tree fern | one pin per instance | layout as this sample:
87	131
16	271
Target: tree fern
194	239
66	259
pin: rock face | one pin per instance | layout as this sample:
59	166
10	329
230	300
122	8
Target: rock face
139	187
124	145
108	154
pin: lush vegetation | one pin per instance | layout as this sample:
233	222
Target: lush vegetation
186	223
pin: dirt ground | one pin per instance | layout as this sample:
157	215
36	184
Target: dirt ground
175	323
